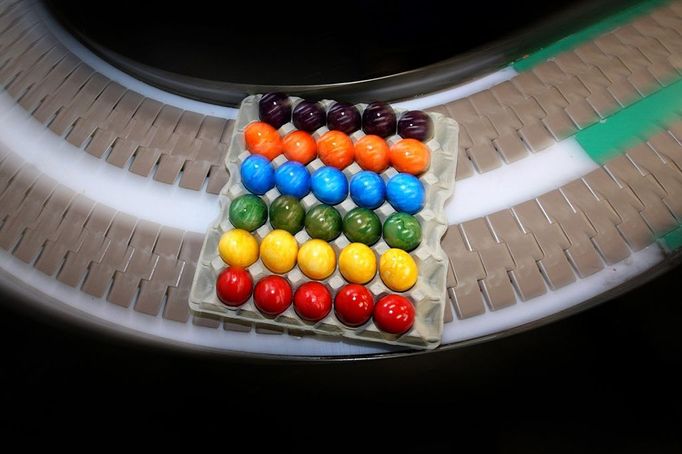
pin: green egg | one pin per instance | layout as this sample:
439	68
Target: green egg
362	225
248	212
287	213
323	222
402	231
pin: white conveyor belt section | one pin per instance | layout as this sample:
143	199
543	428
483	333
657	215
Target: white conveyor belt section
166	204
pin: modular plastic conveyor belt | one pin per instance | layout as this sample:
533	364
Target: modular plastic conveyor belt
515	254
499	125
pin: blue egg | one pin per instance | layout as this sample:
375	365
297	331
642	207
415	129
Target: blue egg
329	185
292	178
367	189
258	175
405	193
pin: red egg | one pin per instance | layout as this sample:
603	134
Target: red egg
312	301
272	295
394	314
353	305
234	286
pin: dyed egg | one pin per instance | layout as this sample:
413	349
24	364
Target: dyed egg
394	314
378	119
309	116
272	295
353	305
329	185
278	251
415	124
258	175
274	109
410	156
402	231
263	139
248	212
292	178
323	222
316	259
405	193
361	225
336	149
238	247
312	301
398	270
343	117
287	213
233	286
299	146
357	263
367	189
371	153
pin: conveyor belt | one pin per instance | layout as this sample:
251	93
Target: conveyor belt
499	126
513	255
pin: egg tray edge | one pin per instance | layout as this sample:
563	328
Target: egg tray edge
428	294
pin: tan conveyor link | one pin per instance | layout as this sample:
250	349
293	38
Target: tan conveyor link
569	233
499	125
512	255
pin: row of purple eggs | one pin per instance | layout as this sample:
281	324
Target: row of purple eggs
378	118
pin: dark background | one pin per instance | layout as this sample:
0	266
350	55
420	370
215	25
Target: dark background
604	380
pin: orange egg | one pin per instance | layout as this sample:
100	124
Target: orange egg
410	156
336	149
371	153
300	146
263	139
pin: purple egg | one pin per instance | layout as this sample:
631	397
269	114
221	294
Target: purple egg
274	109
415	124
309	116
378	119
343	117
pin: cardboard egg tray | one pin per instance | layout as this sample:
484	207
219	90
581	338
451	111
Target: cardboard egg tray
428	294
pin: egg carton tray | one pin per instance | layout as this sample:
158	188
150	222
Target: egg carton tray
428	294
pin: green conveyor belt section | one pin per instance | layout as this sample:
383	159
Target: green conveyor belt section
673	240
627	127
584	35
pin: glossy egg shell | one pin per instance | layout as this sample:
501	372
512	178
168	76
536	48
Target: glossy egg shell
336	149
329	185
234	286
258	174
312	301
353	305
248	212
263	139
367	189
405	193
272	295
292	178
371	153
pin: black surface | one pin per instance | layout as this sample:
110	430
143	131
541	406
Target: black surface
354	50
612	372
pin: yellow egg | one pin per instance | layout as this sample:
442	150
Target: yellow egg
316	259
278	251
398	270
357	263
238	248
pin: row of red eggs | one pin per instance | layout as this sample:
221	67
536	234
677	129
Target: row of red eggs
353	304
